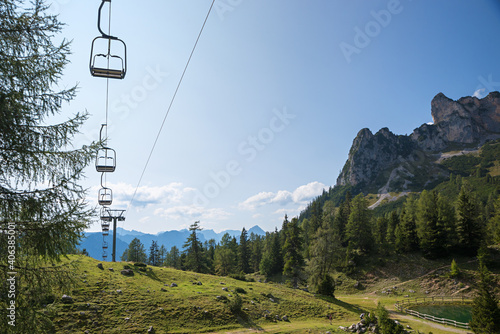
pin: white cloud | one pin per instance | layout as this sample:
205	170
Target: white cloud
171	194
308	192
301	195
192	213
480	93
282	197
255	201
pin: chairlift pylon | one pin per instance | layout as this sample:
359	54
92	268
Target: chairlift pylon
100	62
105	216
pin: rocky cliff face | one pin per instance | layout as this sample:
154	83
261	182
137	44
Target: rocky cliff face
374	159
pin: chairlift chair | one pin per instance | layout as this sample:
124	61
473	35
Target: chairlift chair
105	231
96	67
104	255
104	245
107	65
105	215
105	196
106	160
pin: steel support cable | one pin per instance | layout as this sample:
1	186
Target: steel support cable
169	107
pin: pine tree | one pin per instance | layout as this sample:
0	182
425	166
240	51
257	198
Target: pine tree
194	251
135	251
380	233
392	225
292	252
225	257
358	229
272	260
154	254
256	251
244	252
454	270
468	225
430	232
162	255
223	261
342	218
42	208
173	258
407	239
325	251
494	223
485	309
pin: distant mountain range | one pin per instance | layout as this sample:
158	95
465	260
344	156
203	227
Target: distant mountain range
92	241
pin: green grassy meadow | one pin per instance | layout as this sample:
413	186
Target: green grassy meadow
105	301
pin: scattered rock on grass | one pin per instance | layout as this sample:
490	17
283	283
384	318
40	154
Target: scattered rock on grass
127	272
67	299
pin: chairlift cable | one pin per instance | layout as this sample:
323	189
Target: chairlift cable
169	107
107	94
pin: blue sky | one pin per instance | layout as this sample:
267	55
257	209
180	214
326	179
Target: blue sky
274	95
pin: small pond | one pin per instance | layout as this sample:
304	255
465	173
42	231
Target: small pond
461	313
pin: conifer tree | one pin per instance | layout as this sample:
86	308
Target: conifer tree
194	251
407	239
42	209
292	252
380	232
494	223
162	255
454	270
341	219
325	252
173	258
358	229
468	225
135	252
256	251
430	231
272	260
225	257
244	252
154	254
485	310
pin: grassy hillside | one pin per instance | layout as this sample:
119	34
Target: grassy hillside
109	302
105	301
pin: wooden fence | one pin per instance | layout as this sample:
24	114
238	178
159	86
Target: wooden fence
403	305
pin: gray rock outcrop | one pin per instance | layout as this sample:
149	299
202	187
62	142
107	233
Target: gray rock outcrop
376	160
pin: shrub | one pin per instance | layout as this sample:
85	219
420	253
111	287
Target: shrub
140	264
240	290
326	286
454	270
235	304
240	276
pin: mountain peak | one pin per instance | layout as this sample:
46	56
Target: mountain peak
385	161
